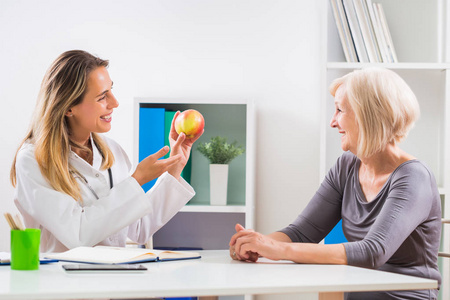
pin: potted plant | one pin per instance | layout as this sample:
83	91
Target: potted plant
220	154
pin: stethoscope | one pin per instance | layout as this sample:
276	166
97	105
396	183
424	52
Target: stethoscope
84	180
86	183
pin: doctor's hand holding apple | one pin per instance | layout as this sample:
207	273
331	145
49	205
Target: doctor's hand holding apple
187	127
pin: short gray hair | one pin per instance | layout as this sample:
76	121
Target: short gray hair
385	107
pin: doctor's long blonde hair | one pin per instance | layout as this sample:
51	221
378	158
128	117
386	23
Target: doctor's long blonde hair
64	86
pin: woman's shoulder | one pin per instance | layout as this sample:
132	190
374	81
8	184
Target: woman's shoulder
27	150
26	156
348	157
416	175
347	161
343	169
413	167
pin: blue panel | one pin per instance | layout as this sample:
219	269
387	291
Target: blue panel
336	236
151	134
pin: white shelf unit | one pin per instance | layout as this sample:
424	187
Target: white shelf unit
420	33
198	224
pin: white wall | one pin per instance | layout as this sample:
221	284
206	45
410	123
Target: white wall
266	50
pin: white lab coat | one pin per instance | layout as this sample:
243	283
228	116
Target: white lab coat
121	212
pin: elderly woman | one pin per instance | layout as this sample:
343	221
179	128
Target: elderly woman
387	199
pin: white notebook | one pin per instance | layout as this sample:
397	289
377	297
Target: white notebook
120	255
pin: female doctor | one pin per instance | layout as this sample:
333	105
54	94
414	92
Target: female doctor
73	183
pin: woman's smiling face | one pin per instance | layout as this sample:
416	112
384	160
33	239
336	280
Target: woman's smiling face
94	113
344	120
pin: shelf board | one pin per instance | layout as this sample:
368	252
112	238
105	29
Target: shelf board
398	66
212	208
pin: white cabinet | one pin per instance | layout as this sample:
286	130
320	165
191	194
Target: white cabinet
419	30
199	224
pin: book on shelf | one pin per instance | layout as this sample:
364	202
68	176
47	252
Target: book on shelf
343	31
355	30
120	255
363	28
367	31
384	25
378	32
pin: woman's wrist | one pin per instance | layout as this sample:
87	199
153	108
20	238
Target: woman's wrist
175	172
286	251
138	179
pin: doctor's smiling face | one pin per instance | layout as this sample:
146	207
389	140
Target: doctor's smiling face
344	119
94	113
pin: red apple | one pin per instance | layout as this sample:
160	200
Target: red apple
190	122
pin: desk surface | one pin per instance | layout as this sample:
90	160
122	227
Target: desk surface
214	274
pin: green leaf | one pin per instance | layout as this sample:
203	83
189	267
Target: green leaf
218	151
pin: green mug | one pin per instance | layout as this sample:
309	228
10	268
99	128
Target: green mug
25	249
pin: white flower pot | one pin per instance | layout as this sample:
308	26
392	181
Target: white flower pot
218	184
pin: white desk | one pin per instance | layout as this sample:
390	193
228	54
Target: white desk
214	274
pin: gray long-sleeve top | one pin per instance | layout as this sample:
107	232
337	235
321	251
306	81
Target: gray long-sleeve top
398	231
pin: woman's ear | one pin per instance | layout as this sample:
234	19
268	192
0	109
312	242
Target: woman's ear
69	113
